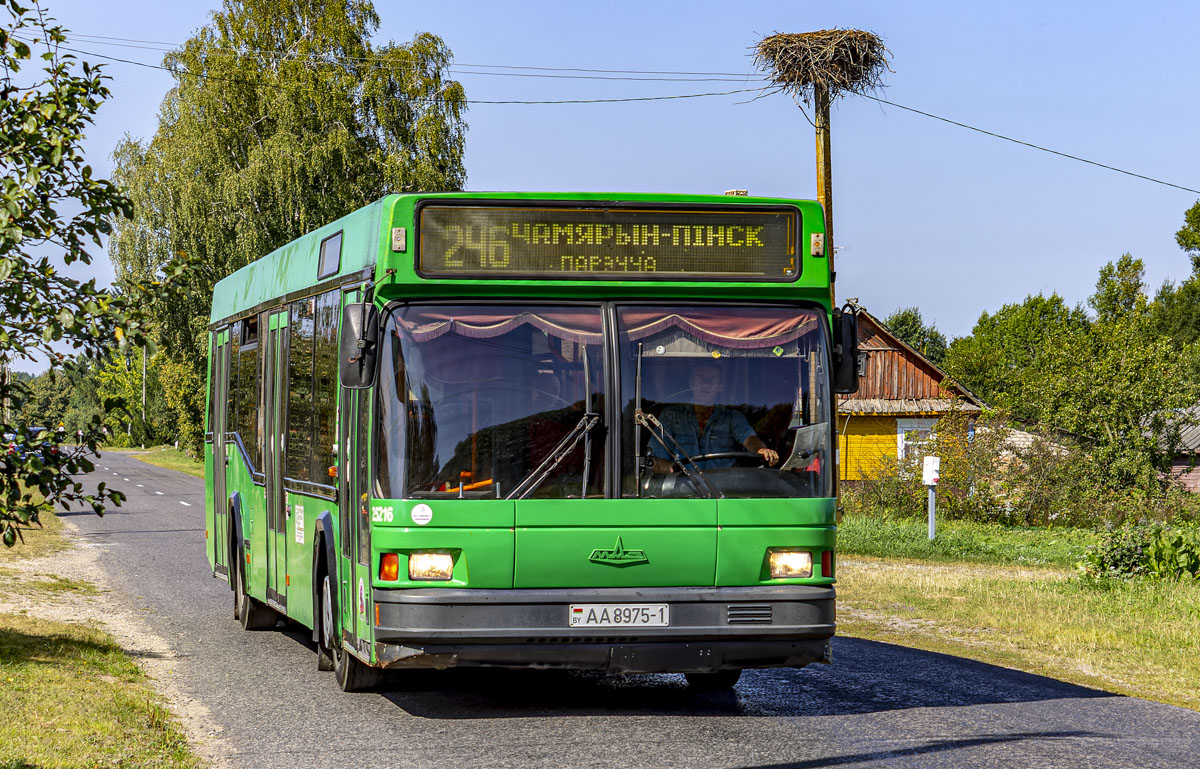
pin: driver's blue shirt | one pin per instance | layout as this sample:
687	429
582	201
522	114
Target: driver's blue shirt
726	430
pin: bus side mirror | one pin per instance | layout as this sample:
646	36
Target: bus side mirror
358	349
845	352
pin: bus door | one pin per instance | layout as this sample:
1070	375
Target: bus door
220	457
354	520
355	553
275	386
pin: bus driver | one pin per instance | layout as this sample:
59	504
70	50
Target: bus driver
704	427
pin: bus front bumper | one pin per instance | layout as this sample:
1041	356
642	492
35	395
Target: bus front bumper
712	628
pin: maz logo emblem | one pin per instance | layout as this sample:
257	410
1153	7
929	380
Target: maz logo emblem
618	556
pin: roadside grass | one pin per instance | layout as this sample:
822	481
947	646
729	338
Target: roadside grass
166	456
72	698
41	586
1138	638
36	541
962	541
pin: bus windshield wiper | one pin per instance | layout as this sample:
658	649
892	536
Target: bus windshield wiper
581	431
678	455
660	433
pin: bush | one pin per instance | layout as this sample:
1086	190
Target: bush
993	475
1145	549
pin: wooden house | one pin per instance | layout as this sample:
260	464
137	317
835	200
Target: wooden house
1185	467
899	401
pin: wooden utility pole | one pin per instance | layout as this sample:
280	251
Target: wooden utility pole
816	67
825	172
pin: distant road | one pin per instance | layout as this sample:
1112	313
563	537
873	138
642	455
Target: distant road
877	705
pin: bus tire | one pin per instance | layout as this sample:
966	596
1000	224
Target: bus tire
353	675
716	681
250	612
326	633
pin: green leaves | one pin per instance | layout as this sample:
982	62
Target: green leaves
48	202
284	117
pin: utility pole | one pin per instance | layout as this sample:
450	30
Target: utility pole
143	393
815	68
825	172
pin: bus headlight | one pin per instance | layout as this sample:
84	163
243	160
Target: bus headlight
790	564
430	566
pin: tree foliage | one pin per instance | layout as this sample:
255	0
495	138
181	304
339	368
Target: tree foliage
1188	236
1112	384
52	211
907	324
1008	350
1177	308
283	117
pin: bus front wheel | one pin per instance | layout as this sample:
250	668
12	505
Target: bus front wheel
325	655
352	675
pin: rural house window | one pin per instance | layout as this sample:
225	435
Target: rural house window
331	256
911	433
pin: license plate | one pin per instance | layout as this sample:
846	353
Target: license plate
619	615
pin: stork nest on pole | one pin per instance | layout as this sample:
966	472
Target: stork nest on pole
838	59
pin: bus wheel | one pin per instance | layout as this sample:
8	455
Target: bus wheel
352	675
325	636
717	681
252	614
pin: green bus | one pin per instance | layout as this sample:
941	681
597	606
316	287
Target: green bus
585	431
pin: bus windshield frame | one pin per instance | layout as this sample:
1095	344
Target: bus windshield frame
520	399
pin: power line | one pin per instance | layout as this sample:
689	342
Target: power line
467	101
1028	144
177	46
637	98
460	68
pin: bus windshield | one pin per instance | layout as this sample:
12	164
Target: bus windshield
724	402
492	402
508	402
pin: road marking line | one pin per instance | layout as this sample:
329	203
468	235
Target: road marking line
140	486
116	473
159	493
125	479
185	504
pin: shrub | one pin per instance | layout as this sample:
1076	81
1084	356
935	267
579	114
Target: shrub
1145	549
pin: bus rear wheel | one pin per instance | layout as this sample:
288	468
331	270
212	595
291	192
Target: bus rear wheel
716	681
252	614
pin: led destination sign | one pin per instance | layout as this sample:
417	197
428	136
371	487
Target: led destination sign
566	243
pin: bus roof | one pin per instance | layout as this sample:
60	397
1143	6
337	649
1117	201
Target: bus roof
293	267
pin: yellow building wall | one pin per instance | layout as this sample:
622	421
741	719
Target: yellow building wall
864	443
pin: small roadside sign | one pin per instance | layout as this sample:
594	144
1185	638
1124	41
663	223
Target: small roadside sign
930	471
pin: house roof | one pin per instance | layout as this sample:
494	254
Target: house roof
903	406
1189	438
898	379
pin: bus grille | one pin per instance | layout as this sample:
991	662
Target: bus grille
749	614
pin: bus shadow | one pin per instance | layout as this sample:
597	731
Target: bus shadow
866	677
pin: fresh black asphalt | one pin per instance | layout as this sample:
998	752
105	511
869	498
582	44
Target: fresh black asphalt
877	705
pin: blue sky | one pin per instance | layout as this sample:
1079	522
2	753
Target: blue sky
926	214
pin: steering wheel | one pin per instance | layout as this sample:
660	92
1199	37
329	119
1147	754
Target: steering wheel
752	455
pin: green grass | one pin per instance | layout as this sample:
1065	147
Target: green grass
1139	638
36	541
962	541
169	457
72	698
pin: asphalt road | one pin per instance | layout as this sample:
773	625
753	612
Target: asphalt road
877	705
